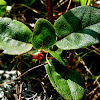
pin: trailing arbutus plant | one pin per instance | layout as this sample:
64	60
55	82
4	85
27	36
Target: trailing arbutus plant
77	28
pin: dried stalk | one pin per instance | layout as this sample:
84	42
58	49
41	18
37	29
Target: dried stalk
21	78
68	5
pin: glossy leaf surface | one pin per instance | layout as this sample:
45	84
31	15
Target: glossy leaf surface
68	83
79	28
13	47
14	37
44	34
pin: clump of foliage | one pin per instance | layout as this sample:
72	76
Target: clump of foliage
77	28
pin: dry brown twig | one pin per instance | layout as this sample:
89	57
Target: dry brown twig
68	5
97	81
95	48
21	78
82	62
61	2
95	89
87	69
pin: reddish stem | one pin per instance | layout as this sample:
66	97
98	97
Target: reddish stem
50	11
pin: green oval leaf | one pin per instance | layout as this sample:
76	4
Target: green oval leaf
14	36
15	30
79	28
68	83
44	34
3	6
13	47
79	40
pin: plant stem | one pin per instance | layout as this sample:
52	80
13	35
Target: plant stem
68	5
17	87
21	78
50	11
95	48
